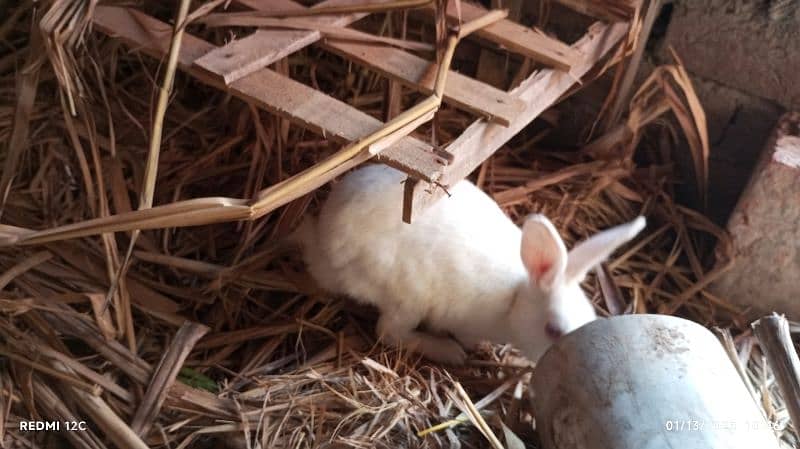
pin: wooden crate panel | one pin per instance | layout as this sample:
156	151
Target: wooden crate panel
461	91
413	71
540	91
283	96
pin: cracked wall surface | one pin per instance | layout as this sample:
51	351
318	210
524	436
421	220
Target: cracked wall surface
765	232
744	58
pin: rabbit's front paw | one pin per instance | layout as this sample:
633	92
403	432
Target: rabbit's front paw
394	329
443	350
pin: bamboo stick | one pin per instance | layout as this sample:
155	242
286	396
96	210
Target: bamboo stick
151	167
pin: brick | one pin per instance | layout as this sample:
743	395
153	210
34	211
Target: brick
738	126
765	228
741	44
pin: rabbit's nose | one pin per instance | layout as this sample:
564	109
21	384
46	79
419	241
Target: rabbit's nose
553	331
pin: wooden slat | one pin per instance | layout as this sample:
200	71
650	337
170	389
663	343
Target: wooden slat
517	38
278	94
262	48
245	56
528	42
415	72
611	10
540	91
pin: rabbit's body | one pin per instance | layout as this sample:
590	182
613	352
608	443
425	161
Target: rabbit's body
457	268
367	252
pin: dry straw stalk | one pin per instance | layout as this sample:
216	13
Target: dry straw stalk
282	362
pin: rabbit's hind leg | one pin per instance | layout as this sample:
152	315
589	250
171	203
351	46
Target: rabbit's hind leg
398	329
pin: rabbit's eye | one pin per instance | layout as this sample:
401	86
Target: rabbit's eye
553	331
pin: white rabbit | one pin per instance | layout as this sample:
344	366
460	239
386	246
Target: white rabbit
462	268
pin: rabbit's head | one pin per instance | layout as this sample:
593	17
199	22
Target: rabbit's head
553	303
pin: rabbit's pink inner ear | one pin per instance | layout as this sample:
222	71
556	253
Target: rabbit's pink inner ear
540	269
543	253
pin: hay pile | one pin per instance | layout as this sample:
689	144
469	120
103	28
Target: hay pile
258	351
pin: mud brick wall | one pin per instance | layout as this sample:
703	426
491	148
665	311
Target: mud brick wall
744	56
764	230
753	46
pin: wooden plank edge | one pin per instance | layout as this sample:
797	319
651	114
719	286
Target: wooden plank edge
509	35
224	61
609	10
239	58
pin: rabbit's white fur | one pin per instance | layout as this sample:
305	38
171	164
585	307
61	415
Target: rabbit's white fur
458	268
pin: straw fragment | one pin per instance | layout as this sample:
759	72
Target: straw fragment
23	266
165	375
475	417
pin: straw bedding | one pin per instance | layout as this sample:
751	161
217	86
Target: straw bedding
262	358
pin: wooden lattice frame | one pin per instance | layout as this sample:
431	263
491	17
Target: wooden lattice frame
241	68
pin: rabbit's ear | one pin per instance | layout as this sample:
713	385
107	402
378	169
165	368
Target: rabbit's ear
543	252
589	253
